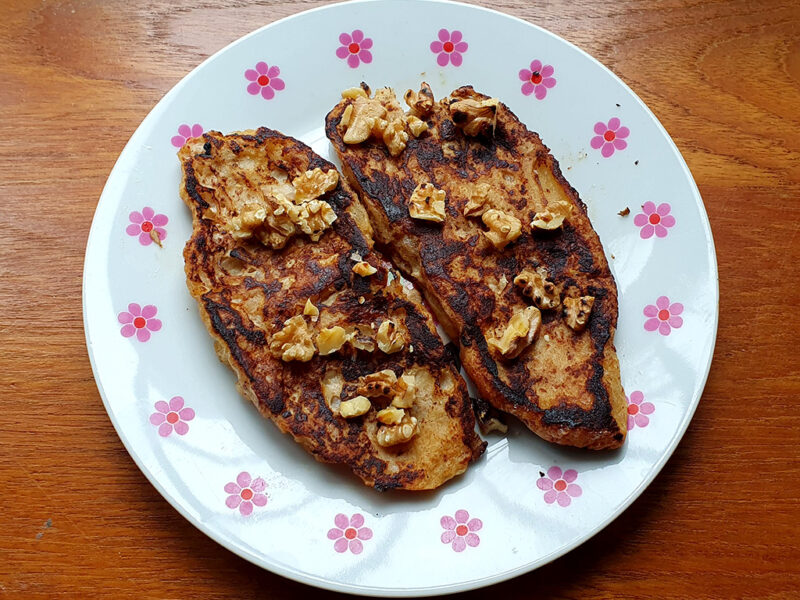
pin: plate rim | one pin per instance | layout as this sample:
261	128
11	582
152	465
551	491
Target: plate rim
230	543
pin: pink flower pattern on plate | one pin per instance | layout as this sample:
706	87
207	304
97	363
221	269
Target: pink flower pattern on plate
459	531
139	321
245	493
663	316
638	410
264	79
349	533
654	219
354	48
144	223
610	137
185	132
449	48
172	416
537	80
559	486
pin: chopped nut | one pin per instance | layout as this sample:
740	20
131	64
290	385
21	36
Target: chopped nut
519	332
391	415
377	384
310	310
406	391
553	216
624	212
577	310
364	269
538	287
331	339
420	103
398	434
416	125
361	337
427	203
276	226
313	217
355	407
294	341
476	205
390	337
475	116
355	92
361	300
394	136
313	184
366	113
347	115
503	228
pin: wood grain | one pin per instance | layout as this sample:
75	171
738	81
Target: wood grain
78	518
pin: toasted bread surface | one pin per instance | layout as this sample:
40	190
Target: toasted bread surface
565	386
248	290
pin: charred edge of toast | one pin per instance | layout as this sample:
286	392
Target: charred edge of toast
599	420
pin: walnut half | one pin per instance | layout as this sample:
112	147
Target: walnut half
577	310
420	103
503	228
294	341
536	286
427	203
553	216
398	434
518	334
475	117
376	385
391	336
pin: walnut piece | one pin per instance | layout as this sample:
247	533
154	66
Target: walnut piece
313	184
391	337
406	391
331	339
394	135
553	216
398	434
364	269
310	310
536	286
427	203
313	217
355	92
519	332
416	125
376	385
355	407
294	341
276	227
577	310
365	115
475	117
391	415
503	228
361	337
420	103
478	202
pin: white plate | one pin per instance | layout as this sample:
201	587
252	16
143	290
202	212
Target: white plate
500	519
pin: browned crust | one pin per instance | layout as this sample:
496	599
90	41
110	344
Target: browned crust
290	394
591	415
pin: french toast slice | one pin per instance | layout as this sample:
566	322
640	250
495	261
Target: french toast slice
324	338
471	206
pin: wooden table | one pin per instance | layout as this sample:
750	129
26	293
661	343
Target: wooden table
78	519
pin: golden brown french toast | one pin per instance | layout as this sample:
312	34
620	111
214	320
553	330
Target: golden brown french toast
324	338
470	205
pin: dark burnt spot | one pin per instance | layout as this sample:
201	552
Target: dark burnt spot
269	288
235	148
451	354
448	130
192	184
427	345
384	189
